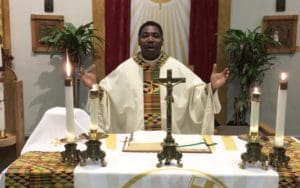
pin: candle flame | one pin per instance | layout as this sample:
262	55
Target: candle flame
95	87
256	90
283	76
68	66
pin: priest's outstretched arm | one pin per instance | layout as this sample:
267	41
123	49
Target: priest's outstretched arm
204	101
123	108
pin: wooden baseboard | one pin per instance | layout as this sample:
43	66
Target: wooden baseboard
266	130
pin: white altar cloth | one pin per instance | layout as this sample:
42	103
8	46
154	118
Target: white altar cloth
126	169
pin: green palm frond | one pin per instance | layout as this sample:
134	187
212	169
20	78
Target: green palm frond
248	57
79	41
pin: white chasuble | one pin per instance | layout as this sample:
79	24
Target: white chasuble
122	104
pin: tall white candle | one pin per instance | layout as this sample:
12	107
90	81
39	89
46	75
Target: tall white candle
2	112
94	97
281	106
69	103
254	116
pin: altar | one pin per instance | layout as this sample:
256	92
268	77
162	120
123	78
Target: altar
40	162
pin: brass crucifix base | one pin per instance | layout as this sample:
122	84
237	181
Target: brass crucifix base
93	152
278	159
71	155
169	152
253	155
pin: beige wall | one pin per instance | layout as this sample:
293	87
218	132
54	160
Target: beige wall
43	81
249	14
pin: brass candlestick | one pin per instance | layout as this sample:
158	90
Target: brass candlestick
254	153
71	155
169	151
93	150
278	159
2	134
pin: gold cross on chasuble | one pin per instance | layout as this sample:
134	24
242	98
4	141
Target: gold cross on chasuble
151	90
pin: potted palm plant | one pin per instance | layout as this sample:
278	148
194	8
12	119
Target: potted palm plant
78	41
248	62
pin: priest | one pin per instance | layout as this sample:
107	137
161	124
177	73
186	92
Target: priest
133	101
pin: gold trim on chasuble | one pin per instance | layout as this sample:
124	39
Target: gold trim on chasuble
152	114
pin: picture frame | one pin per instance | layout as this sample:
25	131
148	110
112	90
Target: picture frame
283	29
39	23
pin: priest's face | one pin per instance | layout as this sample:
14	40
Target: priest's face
150	41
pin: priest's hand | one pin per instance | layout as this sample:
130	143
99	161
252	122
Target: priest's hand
218	79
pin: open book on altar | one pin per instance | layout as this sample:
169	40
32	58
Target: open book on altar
150	141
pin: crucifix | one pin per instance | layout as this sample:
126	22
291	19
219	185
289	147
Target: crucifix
169	145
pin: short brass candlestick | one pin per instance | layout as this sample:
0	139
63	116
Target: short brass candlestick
93	150
169	151
71	155
254	153
2	134
278	159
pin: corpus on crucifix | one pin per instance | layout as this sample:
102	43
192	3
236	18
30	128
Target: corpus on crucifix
169	145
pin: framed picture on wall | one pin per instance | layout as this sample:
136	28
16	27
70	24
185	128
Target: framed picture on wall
284	30
39	25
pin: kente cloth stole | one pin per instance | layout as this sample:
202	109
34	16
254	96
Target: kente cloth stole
39	169
152	114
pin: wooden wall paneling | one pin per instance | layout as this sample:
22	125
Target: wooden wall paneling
222	60
19	116
99	24
6	24
9	102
